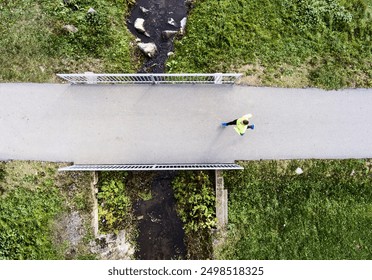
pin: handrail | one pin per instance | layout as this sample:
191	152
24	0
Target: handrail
153	78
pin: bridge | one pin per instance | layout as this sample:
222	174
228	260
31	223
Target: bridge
179	124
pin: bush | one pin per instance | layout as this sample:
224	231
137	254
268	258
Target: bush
196	208
114	202
195	201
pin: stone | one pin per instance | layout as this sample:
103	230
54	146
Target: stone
149	49
70	28
139	25
144	10
167	34
299	171
183	25
171	21
170	54
91	11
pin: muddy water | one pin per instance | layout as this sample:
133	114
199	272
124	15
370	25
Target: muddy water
161	236
156	21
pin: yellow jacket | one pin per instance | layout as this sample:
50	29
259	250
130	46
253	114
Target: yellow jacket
241	128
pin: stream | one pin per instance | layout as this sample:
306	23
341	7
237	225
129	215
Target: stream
160	21
161	236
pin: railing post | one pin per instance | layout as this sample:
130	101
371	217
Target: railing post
218	78
91	78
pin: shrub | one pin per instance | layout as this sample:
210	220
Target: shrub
196	208
114	202
195	201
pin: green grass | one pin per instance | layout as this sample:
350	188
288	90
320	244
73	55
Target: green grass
34	46
324	213
324	43
25	222
34	202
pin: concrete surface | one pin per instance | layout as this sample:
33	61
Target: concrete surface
127	124
221	201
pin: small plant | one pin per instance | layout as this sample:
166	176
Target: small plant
145	195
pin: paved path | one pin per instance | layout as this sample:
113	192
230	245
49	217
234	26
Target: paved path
125	124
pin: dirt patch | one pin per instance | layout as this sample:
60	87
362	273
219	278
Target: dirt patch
252	74
284	76
161	236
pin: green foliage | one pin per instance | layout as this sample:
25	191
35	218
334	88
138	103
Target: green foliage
25	223
195	201
35	46
330	38
114	202
145	195
196	208
324	213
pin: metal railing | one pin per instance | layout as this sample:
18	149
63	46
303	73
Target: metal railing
92	78
151	167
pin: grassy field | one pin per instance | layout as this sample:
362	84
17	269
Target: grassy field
34	45
287	43
44	214
324	213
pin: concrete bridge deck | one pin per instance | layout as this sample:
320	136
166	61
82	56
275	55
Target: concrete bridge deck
146	124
